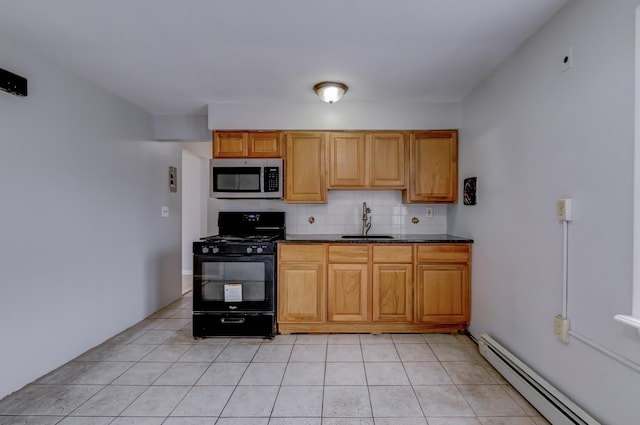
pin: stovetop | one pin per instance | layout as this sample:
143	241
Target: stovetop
247	233
235	239
223	245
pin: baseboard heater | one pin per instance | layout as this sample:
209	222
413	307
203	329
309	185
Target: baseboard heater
550	402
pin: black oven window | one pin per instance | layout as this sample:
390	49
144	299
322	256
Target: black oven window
236	179
233	281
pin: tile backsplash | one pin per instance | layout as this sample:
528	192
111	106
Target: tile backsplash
343	213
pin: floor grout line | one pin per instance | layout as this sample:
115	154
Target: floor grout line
442	350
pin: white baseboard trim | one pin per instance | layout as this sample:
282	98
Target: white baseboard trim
549	401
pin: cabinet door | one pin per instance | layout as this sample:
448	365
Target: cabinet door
305	168
264	144
392	293
346	160
386	156
348	293
433	171
301	293
443	293
230	144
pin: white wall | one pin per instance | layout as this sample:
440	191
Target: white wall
84	252
195	194
531	135
338	116
201	148
180	127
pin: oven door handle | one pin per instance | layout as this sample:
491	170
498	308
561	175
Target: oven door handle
236	320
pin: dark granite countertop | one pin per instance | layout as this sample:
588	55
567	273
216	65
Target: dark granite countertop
329	238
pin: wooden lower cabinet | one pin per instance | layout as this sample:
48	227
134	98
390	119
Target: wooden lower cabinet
443	293
360	288
392	283
301	293
392	293
348	286
442	283
301	284
348	293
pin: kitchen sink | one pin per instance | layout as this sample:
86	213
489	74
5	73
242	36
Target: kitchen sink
367	237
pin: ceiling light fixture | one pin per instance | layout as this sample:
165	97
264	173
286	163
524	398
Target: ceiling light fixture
330	91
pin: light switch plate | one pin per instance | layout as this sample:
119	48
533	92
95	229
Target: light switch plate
173	179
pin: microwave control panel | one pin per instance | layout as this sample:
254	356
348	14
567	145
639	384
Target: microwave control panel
271	179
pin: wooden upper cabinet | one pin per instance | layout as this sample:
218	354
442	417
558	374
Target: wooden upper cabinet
265	144
247	144
423	164
433	167
305	172
386	159
230	144
366	160
346	160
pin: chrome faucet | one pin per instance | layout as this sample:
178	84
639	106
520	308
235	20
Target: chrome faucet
366	219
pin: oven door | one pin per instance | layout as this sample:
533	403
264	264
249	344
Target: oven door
233	283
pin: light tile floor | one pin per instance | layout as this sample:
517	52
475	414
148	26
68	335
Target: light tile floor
156	373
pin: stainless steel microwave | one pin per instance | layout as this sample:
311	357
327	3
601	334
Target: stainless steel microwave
239	178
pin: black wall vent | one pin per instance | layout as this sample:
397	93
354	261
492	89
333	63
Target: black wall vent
12	83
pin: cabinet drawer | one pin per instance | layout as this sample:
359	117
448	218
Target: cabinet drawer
392	254
296	252
451	253
344	253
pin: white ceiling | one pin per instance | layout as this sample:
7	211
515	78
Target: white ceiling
177	56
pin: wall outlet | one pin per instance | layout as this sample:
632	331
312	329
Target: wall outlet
564	212
561	328
429	212
164	212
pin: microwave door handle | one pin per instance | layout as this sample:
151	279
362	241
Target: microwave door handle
262	188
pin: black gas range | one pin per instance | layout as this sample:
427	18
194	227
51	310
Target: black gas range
234	276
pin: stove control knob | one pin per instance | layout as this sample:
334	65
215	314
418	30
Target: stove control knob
215	250
249	250
205	249
259	250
